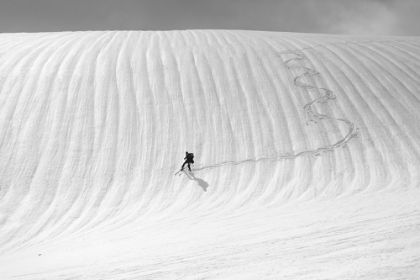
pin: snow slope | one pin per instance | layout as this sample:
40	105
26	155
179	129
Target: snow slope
307	156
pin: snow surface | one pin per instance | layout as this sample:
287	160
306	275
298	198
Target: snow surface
307	156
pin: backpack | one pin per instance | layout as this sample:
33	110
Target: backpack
190	157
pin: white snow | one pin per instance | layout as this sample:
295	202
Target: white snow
307	155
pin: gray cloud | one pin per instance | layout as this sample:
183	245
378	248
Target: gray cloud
362	17
373	17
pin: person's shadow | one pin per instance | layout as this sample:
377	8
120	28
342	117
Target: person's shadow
203	184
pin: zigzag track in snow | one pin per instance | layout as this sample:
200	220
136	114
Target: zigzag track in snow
312	116
329	95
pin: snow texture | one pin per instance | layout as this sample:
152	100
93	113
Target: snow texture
307	155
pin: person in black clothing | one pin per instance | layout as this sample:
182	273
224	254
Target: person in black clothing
189	158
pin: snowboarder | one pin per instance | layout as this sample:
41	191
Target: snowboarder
189	158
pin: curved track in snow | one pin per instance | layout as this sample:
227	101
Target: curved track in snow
310	114
314	116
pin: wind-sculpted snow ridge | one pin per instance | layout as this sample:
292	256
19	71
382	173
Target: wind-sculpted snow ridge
307	155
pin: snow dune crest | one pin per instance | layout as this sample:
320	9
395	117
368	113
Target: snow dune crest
93	126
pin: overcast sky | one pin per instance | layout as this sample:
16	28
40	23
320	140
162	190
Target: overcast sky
358	17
